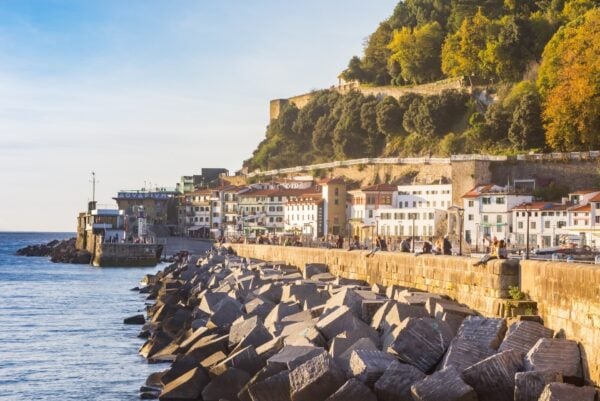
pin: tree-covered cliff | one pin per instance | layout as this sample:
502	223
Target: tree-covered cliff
538	60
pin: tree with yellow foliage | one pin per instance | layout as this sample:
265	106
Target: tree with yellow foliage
569	83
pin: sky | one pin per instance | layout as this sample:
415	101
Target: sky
147	91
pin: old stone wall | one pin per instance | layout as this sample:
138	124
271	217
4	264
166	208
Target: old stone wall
573	174
568	297
118	254
479	287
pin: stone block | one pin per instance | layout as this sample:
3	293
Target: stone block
336	321
530	385
345	297
226	312
258	336
400	311
310	269
279	312
292	356
396	382
259	307
567	392
240	329
452	313
225	386
300	291
369	307
421	342
325	277
523	335
273	388
443	385
557	354
316	379
186	387
210	300
368	365
477	338
207	346
379	315
245	359
493	378
353	390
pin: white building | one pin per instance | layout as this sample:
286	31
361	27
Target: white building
547	224
365	205
304	214
488	213
194	213
420	211
584	217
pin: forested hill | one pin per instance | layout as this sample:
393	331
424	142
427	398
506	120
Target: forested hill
539	60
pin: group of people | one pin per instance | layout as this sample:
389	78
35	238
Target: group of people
442	246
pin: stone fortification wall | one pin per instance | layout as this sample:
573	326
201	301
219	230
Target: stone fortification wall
108	254
568	299
479	287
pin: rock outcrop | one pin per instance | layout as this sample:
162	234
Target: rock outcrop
59	252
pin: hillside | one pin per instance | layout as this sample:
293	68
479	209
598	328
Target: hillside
538	59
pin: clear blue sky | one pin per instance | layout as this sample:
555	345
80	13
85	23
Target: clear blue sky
151	90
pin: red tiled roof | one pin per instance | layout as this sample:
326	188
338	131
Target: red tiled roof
278	192
478	190
380	188
596	198
541	206
583	208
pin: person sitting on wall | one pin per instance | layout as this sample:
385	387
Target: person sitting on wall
447	246
489	256
405	245
382	244
438	247
502	250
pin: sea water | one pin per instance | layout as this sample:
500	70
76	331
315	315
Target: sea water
62	335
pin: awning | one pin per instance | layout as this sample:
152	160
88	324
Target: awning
196	228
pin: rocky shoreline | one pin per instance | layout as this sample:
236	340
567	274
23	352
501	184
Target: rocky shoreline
59	251
234	329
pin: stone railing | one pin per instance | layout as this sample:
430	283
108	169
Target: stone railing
539	157
482	288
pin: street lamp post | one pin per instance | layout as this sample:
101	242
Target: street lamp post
461	214
527	210
477	238
412	241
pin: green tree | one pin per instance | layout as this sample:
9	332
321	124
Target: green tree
418	52
389	117
349	138
463	53
526	129
368	121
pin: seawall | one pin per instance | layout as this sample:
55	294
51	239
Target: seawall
479	287
567	294
142	255
568	297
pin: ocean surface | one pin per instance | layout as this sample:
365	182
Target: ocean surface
62	335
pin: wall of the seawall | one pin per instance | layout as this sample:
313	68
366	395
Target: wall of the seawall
568	297
108	254
479	287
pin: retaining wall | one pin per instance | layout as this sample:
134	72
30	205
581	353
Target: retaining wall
479	287
568	299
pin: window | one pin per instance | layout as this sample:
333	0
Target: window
486	201
499	201
546	224
520	225
499	219
370	214
533	225
470	217
597	219
485	218
471	203
336	191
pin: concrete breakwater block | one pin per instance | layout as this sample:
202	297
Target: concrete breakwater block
559	355
136	319
316	379
477	338
523	335
292	356
369	365
530	385
493	379
186	387
310	269
225	386
567	392
396	382
420	342
353	390
272	388
443	385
